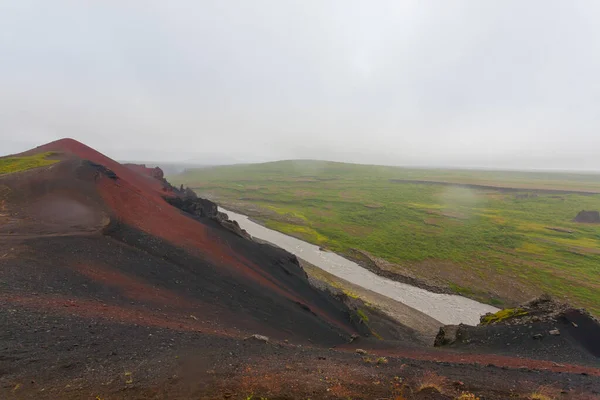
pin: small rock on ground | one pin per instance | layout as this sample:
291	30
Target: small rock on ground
260	338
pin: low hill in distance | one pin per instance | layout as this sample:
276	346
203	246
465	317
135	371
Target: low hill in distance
500	237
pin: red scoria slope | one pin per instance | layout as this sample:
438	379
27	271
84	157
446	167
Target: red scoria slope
232	268
138	201
69	146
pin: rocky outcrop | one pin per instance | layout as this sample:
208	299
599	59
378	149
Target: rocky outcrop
155	173
540	309
233	226
448	335
100	169
588	217
186	200
195	206
542	328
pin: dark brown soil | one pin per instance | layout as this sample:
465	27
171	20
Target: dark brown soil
109	292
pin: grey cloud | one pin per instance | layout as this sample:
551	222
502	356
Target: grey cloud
507	84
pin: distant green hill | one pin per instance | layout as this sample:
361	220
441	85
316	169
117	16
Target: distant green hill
496	236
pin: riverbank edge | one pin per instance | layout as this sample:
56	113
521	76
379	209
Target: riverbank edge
358	256
424	328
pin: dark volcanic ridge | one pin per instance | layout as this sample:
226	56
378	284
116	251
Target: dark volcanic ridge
115	284
542	328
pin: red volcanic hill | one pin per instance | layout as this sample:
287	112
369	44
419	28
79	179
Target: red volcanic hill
110	225
114	284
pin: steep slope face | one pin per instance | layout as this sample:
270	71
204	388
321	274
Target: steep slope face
92	221
40	201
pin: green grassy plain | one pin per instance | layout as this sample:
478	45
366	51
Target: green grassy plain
491	244
15	164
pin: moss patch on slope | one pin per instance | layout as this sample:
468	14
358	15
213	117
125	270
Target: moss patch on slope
9	165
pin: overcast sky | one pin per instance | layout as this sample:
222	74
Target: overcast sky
508	84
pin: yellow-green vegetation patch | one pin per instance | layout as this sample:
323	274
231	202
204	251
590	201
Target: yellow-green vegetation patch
580	242
532	248
286	212
347	292
362	315
429	207
8	165
503	315
302	232
530	226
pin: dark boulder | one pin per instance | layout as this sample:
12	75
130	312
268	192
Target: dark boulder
195	206
189	202
588	217
189	194
447	335
157	173
101	169
233	226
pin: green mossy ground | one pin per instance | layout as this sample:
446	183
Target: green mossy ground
9	165
494	239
